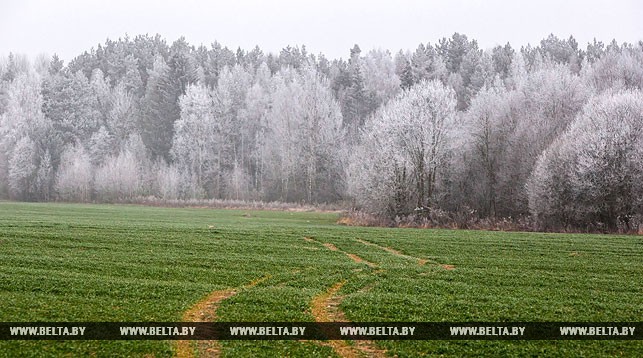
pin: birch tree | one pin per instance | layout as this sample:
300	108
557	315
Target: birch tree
22	169
488	124
197	142
305	138
119	178
74	179
23	123
254	116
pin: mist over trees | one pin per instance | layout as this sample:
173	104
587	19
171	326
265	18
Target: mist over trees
551	132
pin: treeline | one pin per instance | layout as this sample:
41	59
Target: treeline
552	131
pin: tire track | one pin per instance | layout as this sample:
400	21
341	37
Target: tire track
352	256
325	308
206	311
420	261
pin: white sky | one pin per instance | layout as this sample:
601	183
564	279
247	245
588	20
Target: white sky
69	27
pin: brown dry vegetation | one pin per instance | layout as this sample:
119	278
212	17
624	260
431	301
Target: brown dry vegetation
464	222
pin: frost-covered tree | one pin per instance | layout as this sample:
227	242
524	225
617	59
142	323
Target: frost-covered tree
168	181
404	70
23	169
544	103
55	65
23	118
281	146
101	146
214	136
75	175
404	150
156	123
488	125
616	69
477	73
591	175
23	113
122	117
380	79
562	51
255	128
454	49
517	71
45	177
321	131
197	143
71	104
13	65
102	92
229	101
119	178
304	139
376	176
502	57
550	189
131	80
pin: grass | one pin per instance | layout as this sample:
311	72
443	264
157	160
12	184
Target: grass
62	262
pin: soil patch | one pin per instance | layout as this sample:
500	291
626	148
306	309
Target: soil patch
359	260
331	247
395	252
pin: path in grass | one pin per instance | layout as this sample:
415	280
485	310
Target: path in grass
206	311
325	308
352	256
397	253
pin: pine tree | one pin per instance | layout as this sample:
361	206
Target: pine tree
407	79
71	104
156	121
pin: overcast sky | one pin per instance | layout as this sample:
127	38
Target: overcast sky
69	27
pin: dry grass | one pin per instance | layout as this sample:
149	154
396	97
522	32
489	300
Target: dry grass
439	219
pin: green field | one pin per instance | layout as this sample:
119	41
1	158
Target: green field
61	262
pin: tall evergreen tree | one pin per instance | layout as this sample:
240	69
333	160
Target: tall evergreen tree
157	120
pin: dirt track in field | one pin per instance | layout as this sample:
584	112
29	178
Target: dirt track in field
325	308
420	261
352	256
206	311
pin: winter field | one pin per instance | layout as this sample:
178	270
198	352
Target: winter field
63	262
